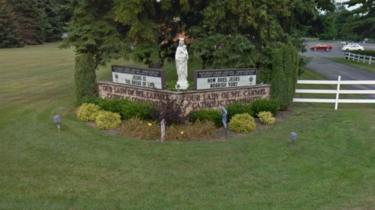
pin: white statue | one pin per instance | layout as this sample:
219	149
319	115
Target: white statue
182	58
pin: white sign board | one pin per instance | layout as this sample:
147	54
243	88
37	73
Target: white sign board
147	78
225	78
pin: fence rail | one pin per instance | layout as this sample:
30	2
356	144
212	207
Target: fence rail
360	58
338	91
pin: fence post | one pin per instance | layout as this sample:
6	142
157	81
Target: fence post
338	93
369	61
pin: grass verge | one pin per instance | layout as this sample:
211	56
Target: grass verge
364	66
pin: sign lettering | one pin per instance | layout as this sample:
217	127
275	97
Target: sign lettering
225	78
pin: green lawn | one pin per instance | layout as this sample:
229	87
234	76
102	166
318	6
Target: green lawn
361	65
332	166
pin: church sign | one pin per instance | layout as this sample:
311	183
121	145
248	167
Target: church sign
139	77
224	78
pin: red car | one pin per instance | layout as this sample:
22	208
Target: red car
321	47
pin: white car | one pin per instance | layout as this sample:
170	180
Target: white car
353	46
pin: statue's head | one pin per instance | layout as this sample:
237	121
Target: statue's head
181	41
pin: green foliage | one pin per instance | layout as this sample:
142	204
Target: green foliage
31	21
328	30
85	77
206	115
107	120
266	118
285	68
239	108
362	19
242	123
28	17
87	112
264	105
8	33
142	110
127	109
220	51
235	32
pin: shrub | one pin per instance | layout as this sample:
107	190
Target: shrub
170	112
206	115
87	112
135	128
242	123
142	110
239	108
285	68
85	76
264	105
266	118
127	109
108	120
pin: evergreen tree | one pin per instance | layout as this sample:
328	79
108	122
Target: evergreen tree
8	33
361	21
29	20
32	21
85	77
148	29
285	67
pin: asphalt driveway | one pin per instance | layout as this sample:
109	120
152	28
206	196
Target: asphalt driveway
320	63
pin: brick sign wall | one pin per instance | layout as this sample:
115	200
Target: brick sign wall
188	100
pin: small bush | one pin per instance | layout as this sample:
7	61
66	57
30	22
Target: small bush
170	112
264	105
206	115
239	108
139	129
242	123
85	76
266	118
87	112
108	120
127	109
142	110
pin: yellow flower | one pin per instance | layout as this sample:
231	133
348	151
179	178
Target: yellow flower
182	132
149	124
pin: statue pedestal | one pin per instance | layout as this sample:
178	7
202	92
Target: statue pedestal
182	85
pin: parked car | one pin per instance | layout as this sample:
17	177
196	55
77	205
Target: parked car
352	46
321	47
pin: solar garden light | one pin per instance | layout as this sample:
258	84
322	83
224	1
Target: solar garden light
57	120
224	116
293	137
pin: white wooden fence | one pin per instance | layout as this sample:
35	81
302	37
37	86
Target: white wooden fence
360	58
337	92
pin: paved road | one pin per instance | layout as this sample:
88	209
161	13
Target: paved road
321	64
331	70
